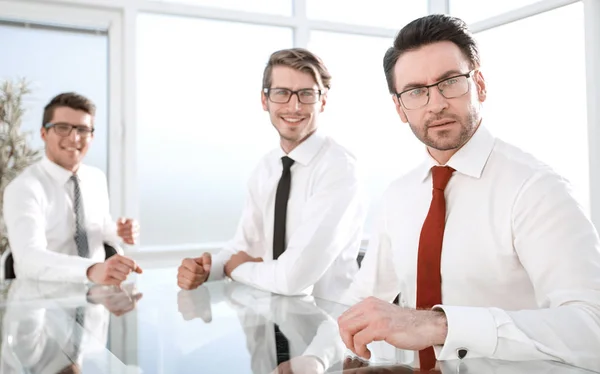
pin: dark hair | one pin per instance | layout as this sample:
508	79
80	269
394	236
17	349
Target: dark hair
427	30
71	100
299	59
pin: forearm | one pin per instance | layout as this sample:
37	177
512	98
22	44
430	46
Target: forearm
267	276
41	264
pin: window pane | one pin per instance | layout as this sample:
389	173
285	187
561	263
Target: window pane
279	7
537	96
56	61
360	113
472	10
380	13
201	128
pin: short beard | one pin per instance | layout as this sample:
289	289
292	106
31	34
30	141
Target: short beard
444	142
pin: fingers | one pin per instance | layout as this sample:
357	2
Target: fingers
130	263
361	339
351	322
187	279
119	267
122	268
185	285
206	261
192	265
138	269
347	338
116	274
110	281
128	229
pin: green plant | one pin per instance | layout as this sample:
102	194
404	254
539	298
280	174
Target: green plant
15	152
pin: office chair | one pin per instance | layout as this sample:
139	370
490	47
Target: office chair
7	263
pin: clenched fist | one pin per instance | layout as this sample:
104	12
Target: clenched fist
194	271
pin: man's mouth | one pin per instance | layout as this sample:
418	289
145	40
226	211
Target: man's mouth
293	120
441	123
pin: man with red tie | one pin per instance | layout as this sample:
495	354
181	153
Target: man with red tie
488	251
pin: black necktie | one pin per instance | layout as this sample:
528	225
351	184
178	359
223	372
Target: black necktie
282	346
281	200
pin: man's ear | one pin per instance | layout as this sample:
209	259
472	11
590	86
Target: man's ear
323	100
263	99
481	86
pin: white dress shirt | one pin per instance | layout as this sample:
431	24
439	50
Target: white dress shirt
520	261
325	215
39	216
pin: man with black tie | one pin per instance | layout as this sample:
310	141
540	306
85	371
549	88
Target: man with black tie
301	228
57	210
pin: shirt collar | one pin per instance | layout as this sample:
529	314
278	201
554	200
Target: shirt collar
307	150
470	159
60	174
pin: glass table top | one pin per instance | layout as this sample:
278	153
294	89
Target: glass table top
151	326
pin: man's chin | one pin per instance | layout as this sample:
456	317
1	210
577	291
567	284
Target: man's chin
444	145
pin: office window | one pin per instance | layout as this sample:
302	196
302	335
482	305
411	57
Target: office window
360	113
201	127
379	13
278	7
54	61
537	90
473	10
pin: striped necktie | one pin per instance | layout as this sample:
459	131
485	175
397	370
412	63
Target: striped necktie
81	239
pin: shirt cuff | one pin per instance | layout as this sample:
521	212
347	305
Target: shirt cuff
80	273
217	270
472	332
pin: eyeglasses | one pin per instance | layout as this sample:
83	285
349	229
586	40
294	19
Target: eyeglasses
283	95
64	129
418	97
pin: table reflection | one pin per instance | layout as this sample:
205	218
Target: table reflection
220	327
60	328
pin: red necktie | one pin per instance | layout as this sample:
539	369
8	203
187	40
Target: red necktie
429	278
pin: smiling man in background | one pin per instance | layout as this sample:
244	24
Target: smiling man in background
301	228
57	210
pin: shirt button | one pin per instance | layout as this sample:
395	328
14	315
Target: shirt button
461	353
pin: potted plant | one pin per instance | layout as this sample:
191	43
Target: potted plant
15	152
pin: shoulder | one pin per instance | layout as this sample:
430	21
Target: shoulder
513	166
89	172
28	181
335	157
30	188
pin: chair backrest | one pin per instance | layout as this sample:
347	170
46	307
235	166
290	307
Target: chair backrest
9	267
8	263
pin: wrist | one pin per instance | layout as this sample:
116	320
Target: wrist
439	324
90	273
